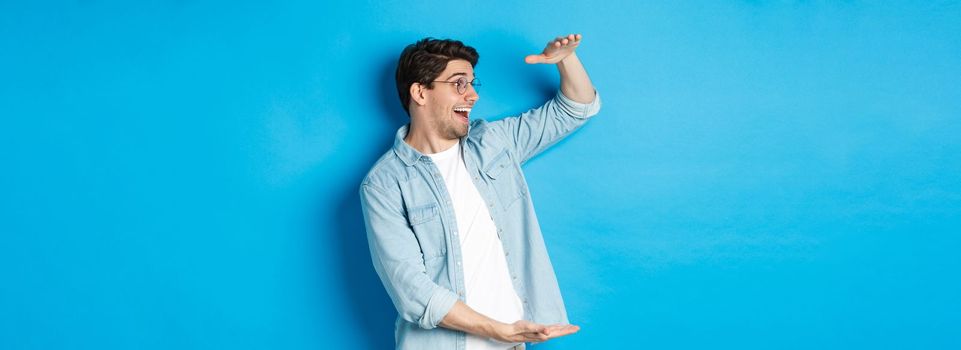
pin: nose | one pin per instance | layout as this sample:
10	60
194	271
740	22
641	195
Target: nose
471	94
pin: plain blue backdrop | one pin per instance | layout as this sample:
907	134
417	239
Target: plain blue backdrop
183	174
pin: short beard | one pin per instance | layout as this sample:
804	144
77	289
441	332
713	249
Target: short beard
456	131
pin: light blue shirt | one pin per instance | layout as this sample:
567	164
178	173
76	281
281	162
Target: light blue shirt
412	233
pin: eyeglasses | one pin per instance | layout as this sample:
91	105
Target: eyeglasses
461	84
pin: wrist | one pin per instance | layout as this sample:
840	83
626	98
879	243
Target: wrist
494	329
568	59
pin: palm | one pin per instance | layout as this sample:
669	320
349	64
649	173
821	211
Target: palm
526	331
556	50
560	330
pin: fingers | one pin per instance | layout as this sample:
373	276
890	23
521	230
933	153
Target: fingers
565	40
555	331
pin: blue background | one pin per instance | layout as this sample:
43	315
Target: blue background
183	175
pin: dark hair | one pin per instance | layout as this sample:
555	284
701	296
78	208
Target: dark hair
423	61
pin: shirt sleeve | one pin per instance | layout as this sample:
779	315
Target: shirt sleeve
537	129
398	261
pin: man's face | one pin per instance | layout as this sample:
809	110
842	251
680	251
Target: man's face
449	111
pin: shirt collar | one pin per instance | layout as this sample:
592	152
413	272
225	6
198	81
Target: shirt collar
409	155
405	152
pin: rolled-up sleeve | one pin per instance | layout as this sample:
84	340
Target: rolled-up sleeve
398	261
537	129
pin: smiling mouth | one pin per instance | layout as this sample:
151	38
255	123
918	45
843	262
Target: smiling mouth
463	113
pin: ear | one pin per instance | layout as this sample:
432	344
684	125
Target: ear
417	94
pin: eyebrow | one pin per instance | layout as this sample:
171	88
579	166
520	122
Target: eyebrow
456	74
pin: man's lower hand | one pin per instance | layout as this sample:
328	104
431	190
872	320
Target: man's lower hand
526	331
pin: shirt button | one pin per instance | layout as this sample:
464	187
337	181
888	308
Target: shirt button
458	263
515	278
507	253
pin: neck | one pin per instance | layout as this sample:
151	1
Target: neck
427	142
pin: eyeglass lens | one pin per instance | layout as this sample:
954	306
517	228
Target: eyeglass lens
461	85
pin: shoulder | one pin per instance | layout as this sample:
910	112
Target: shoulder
386	173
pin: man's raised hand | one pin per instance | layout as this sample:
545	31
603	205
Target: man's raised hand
556	50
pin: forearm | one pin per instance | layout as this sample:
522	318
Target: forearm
462	318
575	84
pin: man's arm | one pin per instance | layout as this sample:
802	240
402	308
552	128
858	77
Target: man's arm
462	318
537	129
398	261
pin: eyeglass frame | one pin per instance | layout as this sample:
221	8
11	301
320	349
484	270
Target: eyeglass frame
458	82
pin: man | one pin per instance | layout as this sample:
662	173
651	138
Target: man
451	227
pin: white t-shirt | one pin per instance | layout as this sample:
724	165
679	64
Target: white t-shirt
486	277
